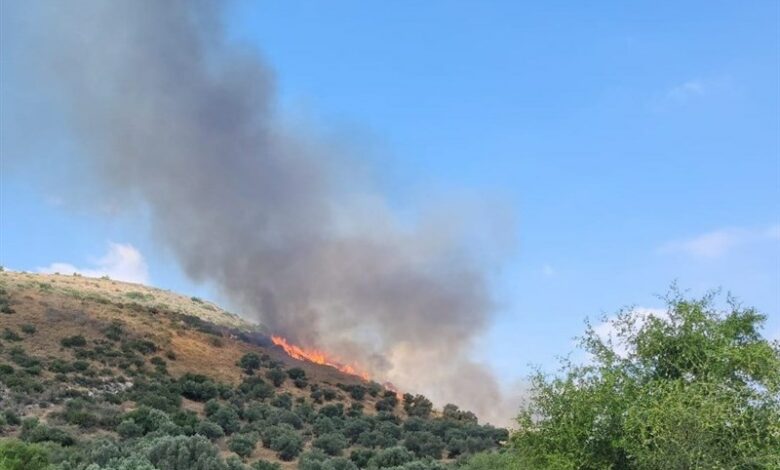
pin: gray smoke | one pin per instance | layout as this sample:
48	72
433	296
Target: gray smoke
168	113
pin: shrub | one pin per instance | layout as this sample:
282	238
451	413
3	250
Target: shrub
227	418
357	392
276	376
143	346
129	428
16	455
250	362
332	443
387	403
392	457
256	388
494	461
283	400
148	419
28	329
284	440
355	410
76	341
11	335
374	389
198	387
33	431
361	457
184	453
312	460
424	444
243	444
355	427
333	410
209	429
265	465
417	405
114	331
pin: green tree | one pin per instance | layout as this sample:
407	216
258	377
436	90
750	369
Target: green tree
693	388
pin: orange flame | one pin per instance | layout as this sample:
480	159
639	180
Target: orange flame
316	356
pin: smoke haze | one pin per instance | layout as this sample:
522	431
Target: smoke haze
167	113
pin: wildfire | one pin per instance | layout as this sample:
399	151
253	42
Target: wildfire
316	356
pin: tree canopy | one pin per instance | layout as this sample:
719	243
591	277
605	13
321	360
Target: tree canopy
696	387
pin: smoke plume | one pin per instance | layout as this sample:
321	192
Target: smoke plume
167	112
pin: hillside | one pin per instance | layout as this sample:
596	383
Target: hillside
107	372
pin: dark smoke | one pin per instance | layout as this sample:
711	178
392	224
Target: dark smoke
165	111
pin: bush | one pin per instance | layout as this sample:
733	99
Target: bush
209	429
243	444
33	431
256	388
353	428
361	457
198	387
114	331
184	453
265	465
283	400
417	405
143	346
11	335
424	444
28	329
250	362
392	457
16	455
276	376
76	341
296	373
387	403
148	419
284	440
128	428
331	443
227	418
357	392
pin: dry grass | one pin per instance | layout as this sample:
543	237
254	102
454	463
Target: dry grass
59	306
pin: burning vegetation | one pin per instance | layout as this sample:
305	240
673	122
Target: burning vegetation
318	357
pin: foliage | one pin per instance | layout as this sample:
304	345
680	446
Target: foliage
198	387
276	376
243	444
250	362
185	453
16	455
693	388
76	341
331	443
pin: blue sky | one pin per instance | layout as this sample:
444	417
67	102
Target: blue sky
635	145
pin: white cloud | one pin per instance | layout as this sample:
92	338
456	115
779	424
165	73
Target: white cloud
122	262
719	242
691	91
687	91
